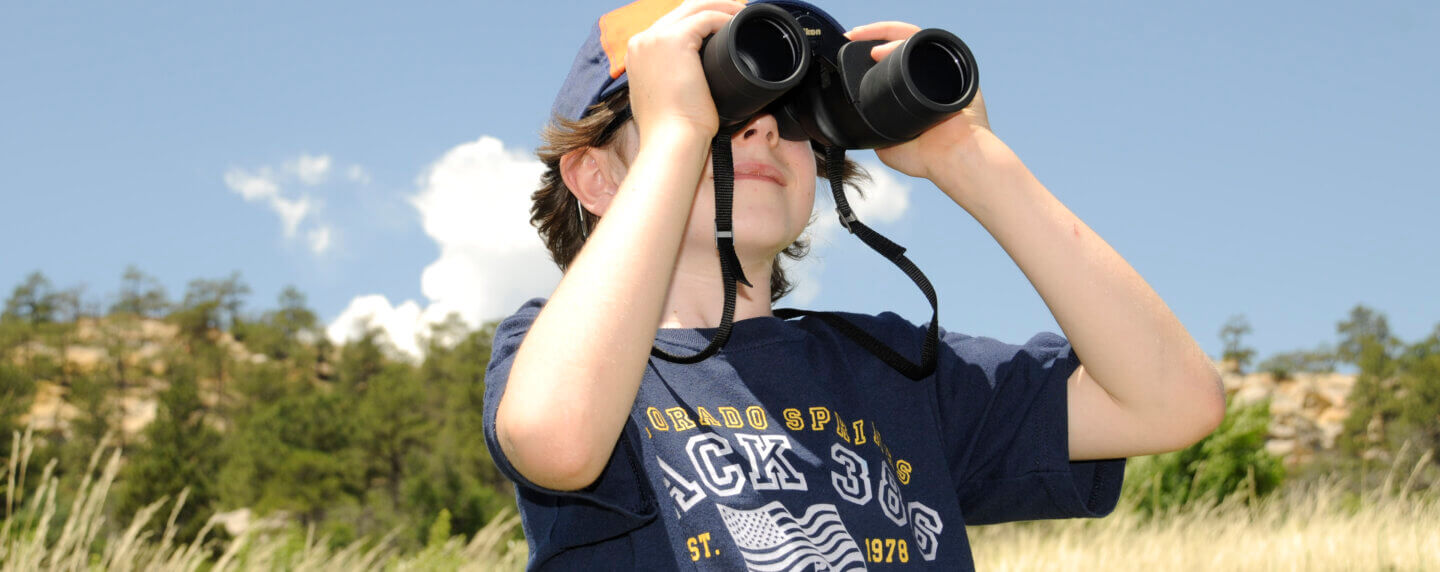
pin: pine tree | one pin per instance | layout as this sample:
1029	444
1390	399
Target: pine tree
180	450
17	391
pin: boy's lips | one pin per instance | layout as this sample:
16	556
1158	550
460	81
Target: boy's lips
760	171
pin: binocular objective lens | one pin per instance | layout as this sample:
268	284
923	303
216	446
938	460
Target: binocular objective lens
938	73
768	50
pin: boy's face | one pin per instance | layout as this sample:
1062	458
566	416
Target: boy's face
774	193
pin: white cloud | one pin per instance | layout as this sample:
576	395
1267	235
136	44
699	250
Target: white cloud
357	174
267	185
319	240
253	187
312	170
886	200
263	187
475	203
291	212
399	324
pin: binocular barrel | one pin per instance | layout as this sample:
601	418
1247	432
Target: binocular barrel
929	77
753	60
764	53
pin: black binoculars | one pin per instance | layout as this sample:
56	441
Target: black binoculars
793	61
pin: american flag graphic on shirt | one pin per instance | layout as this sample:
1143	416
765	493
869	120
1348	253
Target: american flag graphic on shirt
773	539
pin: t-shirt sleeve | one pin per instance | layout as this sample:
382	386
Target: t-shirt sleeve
1003	412
616	503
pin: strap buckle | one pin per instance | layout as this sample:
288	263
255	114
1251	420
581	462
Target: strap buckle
846	219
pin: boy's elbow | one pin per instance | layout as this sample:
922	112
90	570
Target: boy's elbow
548	457
1207	410
1210	378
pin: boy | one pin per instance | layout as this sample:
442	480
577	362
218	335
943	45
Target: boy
793	448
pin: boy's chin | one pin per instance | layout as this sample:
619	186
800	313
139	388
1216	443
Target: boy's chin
761	240
748	246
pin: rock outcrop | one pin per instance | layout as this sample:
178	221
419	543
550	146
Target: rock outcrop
1307	410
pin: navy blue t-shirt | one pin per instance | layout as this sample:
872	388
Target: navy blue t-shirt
795	449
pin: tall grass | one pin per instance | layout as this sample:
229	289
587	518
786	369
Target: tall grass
1319	525
33	537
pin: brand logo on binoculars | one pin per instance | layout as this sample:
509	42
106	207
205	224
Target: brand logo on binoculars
813	32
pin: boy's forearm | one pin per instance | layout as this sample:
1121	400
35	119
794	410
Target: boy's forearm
1130	342
576	375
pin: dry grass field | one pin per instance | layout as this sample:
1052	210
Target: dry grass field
1313	527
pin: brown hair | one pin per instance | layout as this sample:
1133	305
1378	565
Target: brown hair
554	211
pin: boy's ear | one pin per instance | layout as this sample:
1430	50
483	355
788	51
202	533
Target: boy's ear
592	176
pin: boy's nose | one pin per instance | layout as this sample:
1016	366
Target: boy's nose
761	128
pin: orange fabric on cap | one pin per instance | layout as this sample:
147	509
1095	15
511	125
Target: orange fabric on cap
619	25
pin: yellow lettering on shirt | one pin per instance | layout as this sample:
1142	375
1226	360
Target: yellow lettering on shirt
706	418
756	416
793	421
819	416
681	417
841	429
732	417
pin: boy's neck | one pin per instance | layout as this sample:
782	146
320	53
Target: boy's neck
697	294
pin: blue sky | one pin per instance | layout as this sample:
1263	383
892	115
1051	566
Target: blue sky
1266	159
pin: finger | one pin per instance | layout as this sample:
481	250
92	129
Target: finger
690	30
882	31
703	24
696	6
692	8
881	51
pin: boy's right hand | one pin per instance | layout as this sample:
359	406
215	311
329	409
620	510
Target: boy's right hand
667	83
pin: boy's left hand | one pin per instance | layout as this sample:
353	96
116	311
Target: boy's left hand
919	157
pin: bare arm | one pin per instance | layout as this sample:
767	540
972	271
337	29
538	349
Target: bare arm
1145	386
576	374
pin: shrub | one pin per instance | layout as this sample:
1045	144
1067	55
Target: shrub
1231	460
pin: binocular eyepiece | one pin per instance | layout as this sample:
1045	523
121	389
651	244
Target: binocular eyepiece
798	65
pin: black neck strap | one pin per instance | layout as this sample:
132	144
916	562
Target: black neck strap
731	271
834	169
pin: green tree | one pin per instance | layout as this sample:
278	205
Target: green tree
1233	335
210	307
393	425
181	450
1284	365
458	474
297	455
33	301
1366	343
361	359
92	393
140	295
1419	393
283	333
69	306
1365	338
29	315
1406	405
17	392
